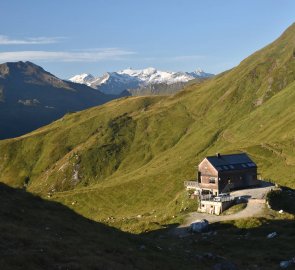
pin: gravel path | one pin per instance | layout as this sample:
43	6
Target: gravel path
254	208
255	204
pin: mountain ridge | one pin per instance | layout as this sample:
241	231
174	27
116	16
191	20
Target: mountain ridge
27	91
131	79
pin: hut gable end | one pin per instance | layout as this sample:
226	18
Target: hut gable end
206	168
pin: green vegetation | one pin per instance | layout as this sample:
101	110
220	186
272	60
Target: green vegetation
246	243
248	223
235	209
283	199
40	234
129	157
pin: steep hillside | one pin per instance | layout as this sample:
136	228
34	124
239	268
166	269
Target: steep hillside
128	158
30	97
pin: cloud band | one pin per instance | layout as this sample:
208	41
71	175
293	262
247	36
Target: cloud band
5	40
61	56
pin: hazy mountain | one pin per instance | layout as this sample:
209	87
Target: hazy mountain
30	97
140	81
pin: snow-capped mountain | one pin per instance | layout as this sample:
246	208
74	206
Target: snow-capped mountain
151	76
83	78
199	73
128	79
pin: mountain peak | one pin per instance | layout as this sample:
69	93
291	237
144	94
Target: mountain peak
84	78
149	70
116	82
21	64
21	68
199	70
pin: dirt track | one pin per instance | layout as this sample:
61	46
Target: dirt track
255	203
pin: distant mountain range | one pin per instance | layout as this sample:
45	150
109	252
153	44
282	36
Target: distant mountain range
31	97
142	81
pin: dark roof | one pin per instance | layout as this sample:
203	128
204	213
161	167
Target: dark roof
231	162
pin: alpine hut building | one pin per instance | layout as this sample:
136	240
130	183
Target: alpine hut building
222	173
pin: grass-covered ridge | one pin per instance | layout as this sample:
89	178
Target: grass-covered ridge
128	158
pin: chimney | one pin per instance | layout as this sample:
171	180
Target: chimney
218	155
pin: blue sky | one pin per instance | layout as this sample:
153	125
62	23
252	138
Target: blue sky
69	37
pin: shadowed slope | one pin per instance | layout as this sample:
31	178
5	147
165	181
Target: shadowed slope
39	234
30	97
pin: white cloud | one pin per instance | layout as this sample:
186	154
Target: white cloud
5	40
61	56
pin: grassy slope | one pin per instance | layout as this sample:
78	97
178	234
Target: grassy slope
130	157
40	234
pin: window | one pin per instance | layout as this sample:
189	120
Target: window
225	167
212	180
251	164
244	166
231	166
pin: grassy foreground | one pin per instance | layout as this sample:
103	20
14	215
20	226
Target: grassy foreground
41	234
